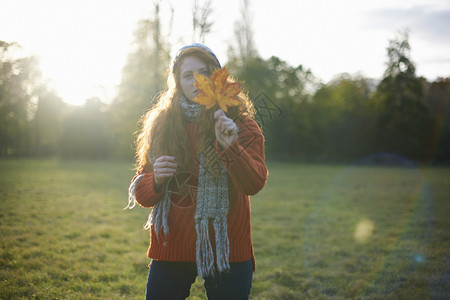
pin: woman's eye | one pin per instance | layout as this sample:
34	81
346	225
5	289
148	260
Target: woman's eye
205	73
187	76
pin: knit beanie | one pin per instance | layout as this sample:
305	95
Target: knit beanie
176	60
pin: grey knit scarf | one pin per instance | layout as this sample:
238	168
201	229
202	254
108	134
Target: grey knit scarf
212	205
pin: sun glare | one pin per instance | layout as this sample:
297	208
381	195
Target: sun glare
76	80
80	64
81	48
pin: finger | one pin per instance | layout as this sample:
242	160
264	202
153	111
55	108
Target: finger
161	177
165	164
219	124
229	132
219	113
233	132
165	161
219	127
166	158
227	122
228	125
165	170
223	121
164	175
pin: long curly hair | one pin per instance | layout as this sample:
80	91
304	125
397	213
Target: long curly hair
162	129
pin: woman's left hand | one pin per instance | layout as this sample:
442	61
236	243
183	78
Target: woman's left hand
226	129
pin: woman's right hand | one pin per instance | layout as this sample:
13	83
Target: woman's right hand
163	168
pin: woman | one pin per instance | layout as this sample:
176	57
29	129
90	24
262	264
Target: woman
197	167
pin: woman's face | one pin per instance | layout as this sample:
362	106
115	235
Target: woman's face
188	67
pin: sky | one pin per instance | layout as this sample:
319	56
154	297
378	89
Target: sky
82	45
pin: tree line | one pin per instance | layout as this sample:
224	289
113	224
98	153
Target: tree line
343	120
352	117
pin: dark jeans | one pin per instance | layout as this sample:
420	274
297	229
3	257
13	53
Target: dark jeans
173	280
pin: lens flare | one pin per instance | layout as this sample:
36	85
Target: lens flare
363	230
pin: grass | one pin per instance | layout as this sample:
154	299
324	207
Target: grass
355	232
319	231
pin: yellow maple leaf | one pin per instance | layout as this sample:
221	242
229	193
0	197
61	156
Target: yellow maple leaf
217	90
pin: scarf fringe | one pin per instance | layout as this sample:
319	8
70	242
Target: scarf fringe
160	212
222	244
132	192
205	255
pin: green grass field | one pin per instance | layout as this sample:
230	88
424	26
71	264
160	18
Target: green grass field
319	231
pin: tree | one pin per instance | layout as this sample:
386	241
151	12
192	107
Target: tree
280	93
143	77
19	77
48	122
438	104
343	118
402	117
85	132
243	33
201	22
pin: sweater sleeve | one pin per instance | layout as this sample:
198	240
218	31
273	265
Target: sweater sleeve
245	158
144	191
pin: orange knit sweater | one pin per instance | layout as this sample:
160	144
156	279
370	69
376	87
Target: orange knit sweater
245	163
